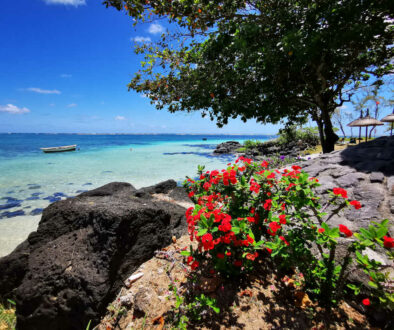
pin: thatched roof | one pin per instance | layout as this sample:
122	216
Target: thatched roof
388	118
365	121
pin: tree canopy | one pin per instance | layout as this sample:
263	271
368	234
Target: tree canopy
268	60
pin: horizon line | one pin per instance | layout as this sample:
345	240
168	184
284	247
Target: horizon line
9	133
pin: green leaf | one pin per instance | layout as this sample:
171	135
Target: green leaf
236	230
373	284
202	231
216	309
185	253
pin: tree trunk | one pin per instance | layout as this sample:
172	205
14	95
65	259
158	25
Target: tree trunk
320	128
343	131
331	138
370	132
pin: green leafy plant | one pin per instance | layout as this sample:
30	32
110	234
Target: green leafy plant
191	308
291	133
7	315
248	211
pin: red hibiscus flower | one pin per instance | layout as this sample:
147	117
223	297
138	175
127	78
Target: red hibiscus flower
296	167
366	302
388	242
321	230
356	204
340	191
345	230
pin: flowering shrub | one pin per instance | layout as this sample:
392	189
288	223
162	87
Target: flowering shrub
249	211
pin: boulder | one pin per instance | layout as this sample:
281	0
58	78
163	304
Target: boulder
227	147
65	274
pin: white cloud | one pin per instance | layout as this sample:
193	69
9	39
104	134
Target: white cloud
13	109
72	105
156	28
120	118
74	3
52	104
42	91
65	75
141	39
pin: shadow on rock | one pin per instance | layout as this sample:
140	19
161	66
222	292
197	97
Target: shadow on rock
65	274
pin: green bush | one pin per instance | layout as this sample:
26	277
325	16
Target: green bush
248	212
292	133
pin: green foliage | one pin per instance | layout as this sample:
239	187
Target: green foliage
248	211
264	60
250	144
293	133
7	315
191	308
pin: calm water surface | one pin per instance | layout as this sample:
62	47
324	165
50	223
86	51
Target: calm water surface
30	180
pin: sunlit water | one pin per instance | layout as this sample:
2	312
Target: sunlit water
30	180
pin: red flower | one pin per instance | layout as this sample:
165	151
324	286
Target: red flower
274	226
252	257
264	164
194	265
228	253
238	263
207	242
345	230
269	250
220	255
206	186
340	191
366	302
388	242
225	226
191	194
284	240
189	259
356	204
321	230
282	219
296	167
268	204
271	176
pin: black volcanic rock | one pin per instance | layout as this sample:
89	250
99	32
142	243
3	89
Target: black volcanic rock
66	272
227	147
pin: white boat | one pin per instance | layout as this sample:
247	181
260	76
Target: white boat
59	149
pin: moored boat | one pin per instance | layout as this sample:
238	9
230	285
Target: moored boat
59	149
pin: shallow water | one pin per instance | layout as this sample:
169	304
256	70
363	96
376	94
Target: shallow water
30	180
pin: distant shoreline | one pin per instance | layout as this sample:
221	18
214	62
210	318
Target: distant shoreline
180	134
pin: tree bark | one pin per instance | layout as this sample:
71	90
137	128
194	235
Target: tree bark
331	138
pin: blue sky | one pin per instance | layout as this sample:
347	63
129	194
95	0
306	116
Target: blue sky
64	67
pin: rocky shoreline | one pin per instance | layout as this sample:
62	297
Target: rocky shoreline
67	272
263	150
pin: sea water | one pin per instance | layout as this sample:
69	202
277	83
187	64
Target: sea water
30	180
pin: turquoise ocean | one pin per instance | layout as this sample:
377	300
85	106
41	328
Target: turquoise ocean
30	180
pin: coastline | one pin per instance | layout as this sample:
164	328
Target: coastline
33	180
